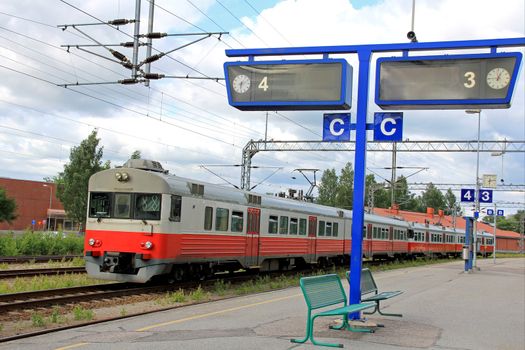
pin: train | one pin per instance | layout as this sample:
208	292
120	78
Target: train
144	223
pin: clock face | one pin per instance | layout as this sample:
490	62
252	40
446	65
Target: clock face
241	84
498	78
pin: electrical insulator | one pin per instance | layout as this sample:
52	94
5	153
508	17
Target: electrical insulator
153	76
118	55
127	44
152	58
155	35
129	81
119	22
127	65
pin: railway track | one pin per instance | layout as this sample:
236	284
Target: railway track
4	274
36	258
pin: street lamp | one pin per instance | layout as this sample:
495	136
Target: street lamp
50	203
476	196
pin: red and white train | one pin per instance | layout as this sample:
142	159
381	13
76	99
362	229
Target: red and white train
143	222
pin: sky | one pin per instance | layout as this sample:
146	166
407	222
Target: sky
187	123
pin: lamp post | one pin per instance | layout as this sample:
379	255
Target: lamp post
476	198
50	203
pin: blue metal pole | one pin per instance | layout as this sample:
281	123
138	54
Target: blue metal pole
468	233
359	180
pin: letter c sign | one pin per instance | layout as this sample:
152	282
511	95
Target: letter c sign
336	127
388	127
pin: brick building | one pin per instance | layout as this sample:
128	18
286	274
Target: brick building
38	208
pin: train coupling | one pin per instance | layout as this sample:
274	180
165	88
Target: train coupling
117	262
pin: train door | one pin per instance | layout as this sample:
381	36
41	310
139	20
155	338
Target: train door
252	236
312	234
368	231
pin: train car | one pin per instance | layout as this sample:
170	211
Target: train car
143	222
385	237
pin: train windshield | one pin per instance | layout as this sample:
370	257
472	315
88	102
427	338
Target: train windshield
141	206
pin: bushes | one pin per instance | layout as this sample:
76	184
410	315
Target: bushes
40	243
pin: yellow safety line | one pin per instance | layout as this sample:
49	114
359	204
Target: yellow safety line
72	346
214	313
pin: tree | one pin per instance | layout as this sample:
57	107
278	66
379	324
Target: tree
404	198
7	207
433	198
450	202
136	155
72	189
328	188
381	198
345	188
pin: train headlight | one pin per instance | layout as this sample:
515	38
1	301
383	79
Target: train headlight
148	245
122	177
91	242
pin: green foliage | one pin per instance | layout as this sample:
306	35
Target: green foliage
376	194
37	243
432	198
55	316
515	222
79	313
198	294
176	297
345	188
220	287
72	184
7	207
28	284
38	320
136	155
328	188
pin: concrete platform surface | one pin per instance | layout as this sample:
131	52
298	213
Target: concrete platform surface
443	308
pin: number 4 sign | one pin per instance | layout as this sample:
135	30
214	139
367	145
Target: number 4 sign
467	194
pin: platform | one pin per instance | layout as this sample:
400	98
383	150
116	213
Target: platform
443	308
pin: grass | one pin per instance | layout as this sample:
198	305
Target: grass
18	285
38	320
81	314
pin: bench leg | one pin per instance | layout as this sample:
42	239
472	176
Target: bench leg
308	331
315	342
375	309
386	314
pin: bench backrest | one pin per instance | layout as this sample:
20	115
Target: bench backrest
322	291
368	285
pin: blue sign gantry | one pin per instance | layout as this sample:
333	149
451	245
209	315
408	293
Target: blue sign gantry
364	54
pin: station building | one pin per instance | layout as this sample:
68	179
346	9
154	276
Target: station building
38	208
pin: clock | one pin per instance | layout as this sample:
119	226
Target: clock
241	83
489	181
498	78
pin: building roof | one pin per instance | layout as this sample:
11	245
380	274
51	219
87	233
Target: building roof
443	220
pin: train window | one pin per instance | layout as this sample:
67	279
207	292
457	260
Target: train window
321	228
328	231
384	233
302	227
221	219
272	224
147	207
293	226
335	230
122	207
99	205
283	225
208	218
176	208
237	221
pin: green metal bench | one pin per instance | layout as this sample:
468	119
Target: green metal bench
368	285
322	292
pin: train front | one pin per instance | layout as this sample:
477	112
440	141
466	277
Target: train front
123	240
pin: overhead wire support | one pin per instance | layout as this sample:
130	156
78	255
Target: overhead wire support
114	22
